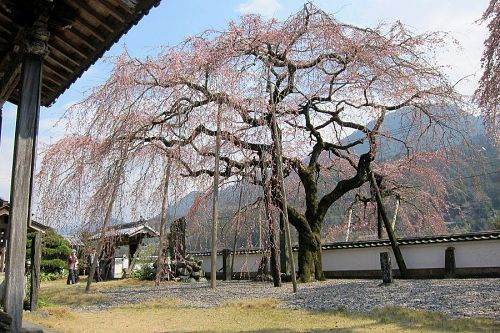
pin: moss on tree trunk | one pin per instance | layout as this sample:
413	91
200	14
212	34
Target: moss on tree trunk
310	263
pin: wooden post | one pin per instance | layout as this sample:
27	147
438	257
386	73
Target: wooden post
226	268
274	247
379	223
236	232
36	256
1	116
115	183
215	205
5	322
395	216
160	263
449	263
284	259
21	187
390	232
132	262
3	253
349	218
281	181
385	265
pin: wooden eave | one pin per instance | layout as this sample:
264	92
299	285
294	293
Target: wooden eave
81	31
33	226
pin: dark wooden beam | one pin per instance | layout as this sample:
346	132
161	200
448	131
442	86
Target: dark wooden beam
82	38
90	28
68	44
102	21
54	67
22	182
10	68
60	52
9	80
114	11
59	62
47	87
36	257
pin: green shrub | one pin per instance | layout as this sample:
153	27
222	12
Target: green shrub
51	276
52	265
55	251
147	272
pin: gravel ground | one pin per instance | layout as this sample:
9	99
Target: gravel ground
454	298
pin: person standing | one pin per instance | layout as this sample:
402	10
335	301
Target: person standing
72	267
90	260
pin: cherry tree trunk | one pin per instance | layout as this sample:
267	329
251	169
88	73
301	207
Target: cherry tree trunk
310	263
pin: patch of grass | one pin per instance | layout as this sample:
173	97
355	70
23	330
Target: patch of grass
58	293
245	315
251	316
431	320
253	304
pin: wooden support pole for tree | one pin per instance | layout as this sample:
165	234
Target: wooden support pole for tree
349	218
160	263
275	267
136	255
379	223
236	232
115	183
22	183
36	256
395	216
284	259
390	232
215	205
281	181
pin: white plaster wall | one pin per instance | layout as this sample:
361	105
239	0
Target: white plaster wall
247	263
478	254
353	259
206	263
467	254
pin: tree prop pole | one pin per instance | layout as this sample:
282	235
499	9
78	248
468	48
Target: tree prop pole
390	232
107	218
215	206
281	180
163	222
275	268
236	232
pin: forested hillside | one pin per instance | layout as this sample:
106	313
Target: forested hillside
472	199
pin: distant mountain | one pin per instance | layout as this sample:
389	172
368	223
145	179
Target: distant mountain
477	203
398	129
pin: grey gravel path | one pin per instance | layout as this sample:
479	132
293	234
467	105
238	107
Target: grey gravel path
455	298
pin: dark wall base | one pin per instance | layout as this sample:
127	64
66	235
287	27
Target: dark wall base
424	273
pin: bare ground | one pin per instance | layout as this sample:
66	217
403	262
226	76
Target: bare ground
465	298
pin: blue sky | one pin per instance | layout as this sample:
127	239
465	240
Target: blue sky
172	20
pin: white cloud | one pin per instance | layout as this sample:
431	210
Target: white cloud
263	7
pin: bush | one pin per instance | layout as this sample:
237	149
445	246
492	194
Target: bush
51	276
53	266
55	251
147	272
